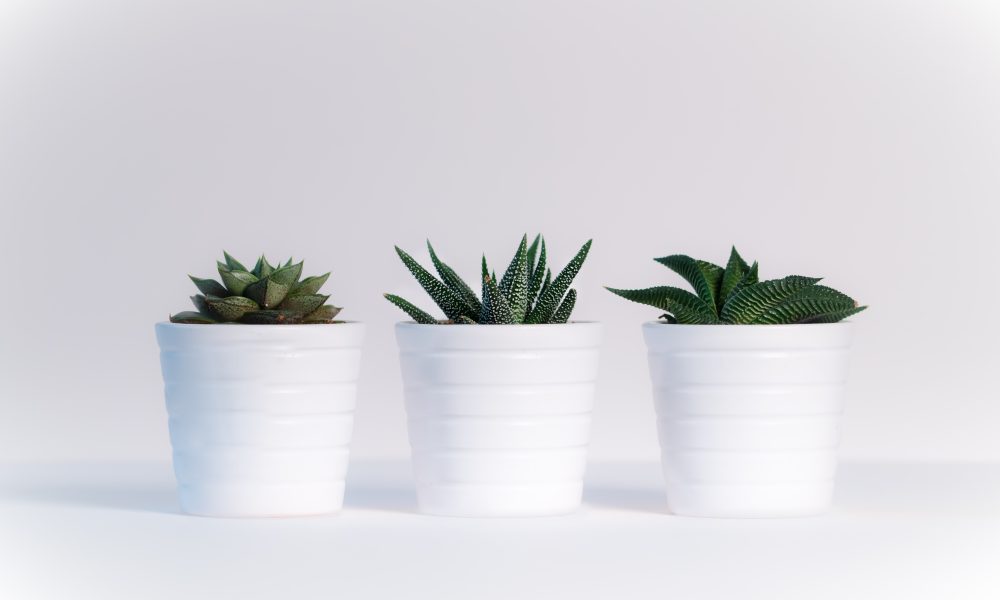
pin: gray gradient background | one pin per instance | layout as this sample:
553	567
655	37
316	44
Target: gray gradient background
854	140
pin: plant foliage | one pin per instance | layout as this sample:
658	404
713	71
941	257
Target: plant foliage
264	295
526	293
734	295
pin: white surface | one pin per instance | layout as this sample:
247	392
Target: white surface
111	531
856	140
499	415
749	415
261	416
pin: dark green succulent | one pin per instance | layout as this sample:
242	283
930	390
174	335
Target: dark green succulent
733	295
526	294
264	295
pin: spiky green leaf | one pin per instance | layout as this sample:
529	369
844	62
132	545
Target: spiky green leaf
192	318
309	285
232	263
533	254
262	268
496	308
235	281
566	308
549	300
209	286
539	275
752	301
463	320
230	308
303	304
450	302
199	303
514	283
267	292
450	278
409	308
703	276
834	317
736	268
685	307
323	314
287	275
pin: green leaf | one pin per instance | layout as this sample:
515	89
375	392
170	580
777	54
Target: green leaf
548	301
736	268
191	317
232	263
271	317
752	301
309	285
450	278
287	275
304	304
450	302
200	303
533	253
267	292
418	315
496	308
323	314
262	268
806	305
703	276
288	262
685	307
834	317
230	308
565	309
209	286
514	283
235	281
463	320
540	278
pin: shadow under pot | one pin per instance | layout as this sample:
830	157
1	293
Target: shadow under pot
499	415
260	415
748	415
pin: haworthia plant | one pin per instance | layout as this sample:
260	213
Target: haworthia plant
264	295
524	294
734	295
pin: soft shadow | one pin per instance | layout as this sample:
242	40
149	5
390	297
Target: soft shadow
158	499
381	485
636	499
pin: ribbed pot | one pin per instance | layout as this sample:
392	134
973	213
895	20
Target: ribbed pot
748	415
499	415
260	415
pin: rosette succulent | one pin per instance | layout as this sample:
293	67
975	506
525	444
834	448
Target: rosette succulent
526	294
264	295
734	295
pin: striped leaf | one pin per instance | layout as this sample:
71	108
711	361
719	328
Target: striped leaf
751	301
684	306
549	300
736	268
450	278
566	308
704	277
496	308
450	302
538	277
415	313
834	317
514	283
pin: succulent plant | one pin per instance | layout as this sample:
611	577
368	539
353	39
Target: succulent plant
526	294
264	295
733	295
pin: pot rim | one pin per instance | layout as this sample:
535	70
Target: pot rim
723	326
414	324
256	325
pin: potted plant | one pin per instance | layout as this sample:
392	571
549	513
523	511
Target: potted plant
260	390
499	394
748	380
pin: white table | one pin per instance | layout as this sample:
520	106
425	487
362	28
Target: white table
108	531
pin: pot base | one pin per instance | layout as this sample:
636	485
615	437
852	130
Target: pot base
484	500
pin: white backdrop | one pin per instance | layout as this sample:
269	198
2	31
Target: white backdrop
856	140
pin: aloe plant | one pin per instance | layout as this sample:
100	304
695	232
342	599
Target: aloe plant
734	295
526	294
265	295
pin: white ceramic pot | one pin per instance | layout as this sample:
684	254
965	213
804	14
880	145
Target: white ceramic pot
260	415
499	415
748	415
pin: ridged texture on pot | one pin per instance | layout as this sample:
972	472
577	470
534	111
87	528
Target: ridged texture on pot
748	415
499	415
260	415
